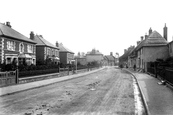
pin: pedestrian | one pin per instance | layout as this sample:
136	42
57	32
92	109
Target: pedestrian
134	67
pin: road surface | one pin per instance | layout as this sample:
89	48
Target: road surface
107	92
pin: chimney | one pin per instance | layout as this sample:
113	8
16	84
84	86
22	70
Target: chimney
142	38
165	32
150	31
57	44
8	24
111	53
32	35
146	36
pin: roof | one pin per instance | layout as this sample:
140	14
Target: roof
125	55
110	58
64	49
155	39
94	52
42	42
9	32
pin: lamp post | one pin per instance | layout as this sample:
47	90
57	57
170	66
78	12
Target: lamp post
76	65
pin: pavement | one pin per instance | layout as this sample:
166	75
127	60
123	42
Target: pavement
26	86
158	98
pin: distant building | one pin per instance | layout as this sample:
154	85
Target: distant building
94	56
81	59
15	48
109	60
123	60
153	47
45	51
66	55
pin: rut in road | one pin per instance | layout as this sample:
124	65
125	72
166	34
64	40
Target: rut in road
106	92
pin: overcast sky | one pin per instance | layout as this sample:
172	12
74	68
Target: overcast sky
81	25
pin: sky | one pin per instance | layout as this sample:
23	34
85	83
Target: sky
81	25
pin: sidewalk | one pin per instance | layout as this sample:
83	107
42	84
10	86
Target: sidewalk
26	86
159	98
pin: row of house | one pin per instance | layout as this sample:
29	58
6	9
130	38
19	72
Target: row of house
150	48
18	49
96	56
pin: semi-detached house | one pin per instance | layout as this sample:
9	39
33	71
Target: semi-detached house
15	48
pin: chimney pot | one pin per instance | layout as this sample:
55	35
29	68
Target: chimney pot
32	35
8	24
57	44
142	38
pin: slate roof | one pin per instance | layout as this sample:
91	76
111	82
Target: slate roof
110	58
42	42
9	32
64	49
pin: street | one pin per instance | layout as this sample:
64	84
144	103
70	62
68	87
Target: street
107	92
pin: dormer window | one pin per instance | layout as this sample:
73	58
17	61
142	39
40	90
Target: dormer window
21	47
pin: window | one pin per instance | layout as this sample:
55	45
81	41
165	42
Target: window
30	48
21	47
11	45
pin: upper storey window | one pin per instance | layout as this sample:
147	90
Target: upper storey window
21	47
11	45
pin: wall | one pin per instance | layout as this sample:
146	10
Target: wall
171	49
40	53
63	57
150	54
91	58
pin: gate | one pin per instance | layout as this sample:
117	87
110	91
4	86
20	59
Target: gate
8	78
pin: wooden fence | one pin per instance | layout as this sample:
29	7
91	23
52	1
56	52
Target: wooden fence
8	78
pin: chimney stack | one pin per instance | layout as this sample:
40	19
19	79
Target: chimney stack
146	36
142	38
8	24
32	35
111	53
165	32
150	31
57	44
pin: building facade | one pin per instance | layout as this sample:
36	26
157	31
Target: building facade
170	45
66	55
94	56
45	51
15	48
109	60
149	50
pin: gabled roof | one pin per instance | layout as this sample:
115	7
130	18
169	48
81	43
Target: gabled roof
64	49
9	32
94	52
125	55
110	58
42	42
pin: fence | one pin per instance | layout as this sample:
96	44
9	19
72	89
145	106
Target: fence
8	78
166	74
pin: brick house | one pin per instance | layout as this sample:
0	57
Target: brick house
15	48
45	51
153	47
81	59
94	55
66	55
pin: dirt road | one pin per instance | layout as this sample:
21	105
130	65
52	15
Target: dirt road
107	92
